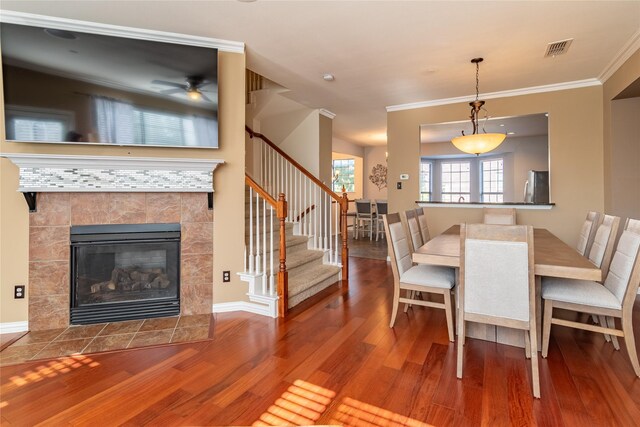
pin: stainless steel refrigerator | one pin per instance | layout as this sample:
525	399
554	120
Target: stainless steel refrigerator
536	188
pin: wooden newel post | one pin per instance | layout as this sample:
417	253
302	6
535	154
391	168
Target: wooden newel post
283	275
344	208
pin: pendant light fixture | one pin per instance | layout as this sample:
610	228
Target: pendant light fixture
477	143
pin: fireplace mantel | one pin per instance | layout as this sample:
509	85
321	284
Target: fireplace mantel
70	173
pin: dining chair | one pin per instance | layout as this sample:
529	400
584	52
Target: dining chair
411	278
422	222
364	216
502	295
410	221
615	299
588	232
381	209
499	216
600	255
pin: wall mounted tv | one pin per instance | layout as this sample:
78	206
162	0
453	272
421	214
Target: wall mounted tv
76	87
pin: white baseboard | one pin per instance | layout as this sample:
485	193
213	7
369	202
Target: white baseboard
11	327
226	307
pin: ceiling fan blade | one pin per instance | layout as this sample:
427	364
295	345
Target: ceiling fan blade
166	83
206	98
172	91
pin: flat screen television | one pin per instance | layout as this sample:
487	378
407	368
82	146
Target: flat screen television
76	87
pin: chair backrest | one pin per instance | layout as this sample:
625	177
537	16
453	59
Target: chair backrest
505	292
588	232
381	207
624	273
422	222
363	207
602	246
413	229
398	245
499	216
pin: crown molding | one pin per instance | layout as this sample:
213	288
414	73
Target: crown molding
625	53
493	95
11	17
327	113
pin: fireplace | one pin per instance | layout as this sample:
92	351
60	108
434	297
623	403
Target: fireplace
124	272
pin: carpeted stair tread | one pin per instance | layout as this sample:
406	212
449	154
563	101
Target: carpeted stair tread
306	279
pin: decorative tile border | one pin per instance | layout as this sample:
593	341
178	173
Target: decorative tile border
58	173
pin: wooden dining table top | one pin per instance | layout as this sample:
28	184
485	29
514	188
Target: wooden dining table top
552	257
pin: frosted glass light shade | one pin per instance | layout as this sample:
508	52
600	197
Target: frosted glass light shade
478	143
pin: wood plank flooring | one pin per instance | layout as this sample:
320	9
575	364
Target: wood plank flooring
334	362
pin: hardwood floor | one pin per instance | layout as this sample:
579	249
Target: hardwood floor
335	362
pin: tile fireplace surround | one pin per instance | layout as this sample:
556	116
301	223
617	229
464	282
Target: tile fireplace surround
58	210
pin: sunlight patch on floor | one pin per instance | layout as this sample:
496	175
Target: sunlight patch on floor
51	369
352	412
302	404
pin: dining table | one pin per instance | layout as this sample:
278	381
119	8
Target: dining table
552	258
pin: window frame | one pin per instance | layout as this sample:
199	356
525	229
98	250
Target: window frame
429	193
350	187
499	194
465	194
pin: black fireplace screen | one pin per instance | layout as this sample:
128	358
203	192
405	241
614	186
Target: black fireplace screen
123	272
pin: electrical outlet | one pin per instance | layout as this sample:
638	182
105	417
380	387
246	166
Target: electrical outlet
226	276
399	186
18	292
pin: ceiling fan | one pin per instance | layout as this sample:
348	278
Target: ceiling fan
192	87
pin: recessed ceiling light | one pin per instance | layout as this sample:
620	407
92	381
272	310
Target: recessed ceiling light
502	125
328	77
60	34
546	114
511	133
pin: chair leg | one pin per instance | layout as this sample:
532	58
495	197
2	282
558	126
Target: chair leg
546	326
460	344
454	310
396	302
602	321
630	341
611	323
448	313
527	345
410	295
535	375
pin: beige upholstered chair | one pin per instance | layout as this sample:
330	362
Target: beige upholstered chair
365	218
588	232
600	255
411	278
503	295
614	299
381	209
410	221
499	216
422	222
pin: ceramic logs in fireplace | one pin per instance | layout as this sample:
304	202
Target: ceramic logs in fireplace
124	272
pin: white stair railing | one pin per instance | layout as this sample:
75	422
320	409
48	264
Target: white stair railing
315	210
266	218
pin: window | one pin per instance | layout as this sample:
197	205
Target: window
344	175
37	124
425	181
492	180
456	181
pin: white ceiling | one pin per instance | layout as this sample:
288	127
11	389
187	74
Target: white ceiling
385	53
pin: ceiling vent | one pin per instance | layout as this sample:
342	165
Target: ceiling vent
557	48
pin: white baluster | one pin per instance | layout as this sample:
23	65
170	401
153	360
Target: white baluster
264	247
258	257
315	217
337	231
271	256
251	264
329	234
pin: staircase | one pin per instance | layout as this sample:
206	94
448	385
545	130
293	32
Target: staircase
294	229
307	272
